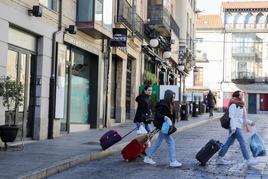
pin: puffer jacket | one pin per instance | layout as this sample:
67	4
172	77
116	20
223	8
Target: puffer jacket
236	113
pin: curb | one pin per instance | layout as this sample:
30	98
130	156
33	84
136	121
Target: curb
74	161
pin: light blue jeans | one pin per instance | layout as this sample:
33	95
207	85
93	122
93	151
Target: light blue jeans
146	126
239	136
170	143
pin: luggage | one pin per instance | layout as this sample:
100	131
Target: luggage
137	146
212	147
110	138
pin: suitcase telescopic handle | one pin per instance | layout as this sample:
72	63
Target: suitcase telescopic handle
129	132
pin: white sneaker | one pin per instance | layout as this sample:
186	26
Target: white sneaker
175	164
149	160
252	162
221	161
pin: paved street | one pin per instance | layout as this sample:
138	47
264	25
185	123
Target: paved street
187	144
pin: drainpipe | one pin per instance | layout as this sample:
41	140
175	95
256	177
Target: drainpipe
52	89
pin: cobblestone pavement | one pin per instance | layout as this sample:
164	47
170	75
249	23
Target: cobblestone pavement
187	145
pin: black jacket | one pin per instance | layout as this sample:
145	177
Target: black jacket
162	110
211	100
143	111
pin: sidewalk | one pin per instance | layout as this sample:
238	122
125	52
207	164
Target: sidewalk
45	158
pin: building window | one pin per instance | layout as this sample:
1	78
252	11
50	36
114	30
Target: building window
249	20
239	21
198	76
51	4
260	21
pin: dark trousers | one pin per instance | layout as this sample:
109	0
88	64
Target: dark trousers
211	109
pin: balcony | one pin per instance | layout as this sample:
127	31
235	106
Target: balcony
159	19
124	15
94	17
243	77
174	26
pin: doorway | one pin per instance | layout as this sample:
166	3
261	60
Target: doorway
252	104
81	83
21	67
264	102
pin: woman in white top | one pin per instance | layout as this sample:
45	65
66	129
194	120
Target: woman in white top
238	120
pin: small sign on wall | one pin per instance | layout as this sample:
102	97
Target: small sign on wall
119	37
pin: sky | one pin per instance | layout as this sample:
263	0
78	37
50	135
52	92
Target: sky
213	6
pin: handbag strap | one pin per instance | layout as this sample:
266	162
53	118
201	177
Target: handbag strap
128	133
151	134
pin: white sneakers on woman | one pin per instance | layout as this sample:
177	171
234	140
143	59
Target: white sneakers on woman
175	164
151	162
252	162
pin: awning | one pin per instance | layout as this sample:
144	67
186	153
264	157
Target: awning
248	88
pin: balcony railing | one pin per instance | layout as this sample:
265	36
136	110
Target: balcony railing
160	18
124	15
139	26
174	26
243	77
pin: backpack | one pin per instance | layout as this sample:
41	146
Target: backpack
225	120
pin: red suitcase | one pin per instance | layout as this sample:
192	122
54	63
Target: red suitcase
137	146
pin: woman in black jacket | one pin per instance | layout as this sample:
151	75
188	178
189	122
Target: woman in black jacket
165	112
143	113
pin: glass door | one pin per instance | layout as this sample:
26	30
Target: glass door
79	92
18	68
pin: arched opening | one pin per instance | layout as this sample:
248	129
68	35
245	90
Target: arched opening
239	20
249	20
261	20
229	20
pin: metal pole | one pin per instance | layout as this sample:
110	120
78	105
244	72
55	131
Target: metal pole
180	89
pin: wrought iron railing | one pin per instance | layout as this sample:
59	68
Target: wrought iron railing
125	16
139	26
124	13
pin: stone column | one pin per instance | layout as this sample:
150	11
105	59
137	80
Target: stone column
43	61
121	91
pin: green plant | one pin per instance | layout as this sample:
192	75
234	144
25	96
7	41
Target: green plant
11	92
149	78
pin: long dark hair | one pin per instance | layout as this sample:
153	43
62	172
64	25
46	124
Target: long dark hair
236	94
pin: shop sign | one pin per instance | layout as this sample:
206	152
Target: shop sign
119	38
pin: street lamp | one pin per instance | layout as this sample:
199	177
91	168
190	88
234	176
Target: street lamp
154	43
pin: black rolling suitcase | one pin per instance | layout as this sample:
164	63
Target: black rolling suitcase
212	147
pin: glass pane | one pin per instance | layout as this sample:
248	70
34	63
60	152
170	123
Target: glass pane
85	11
79	88
22	73
51	4
107	17
12	64
99	11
